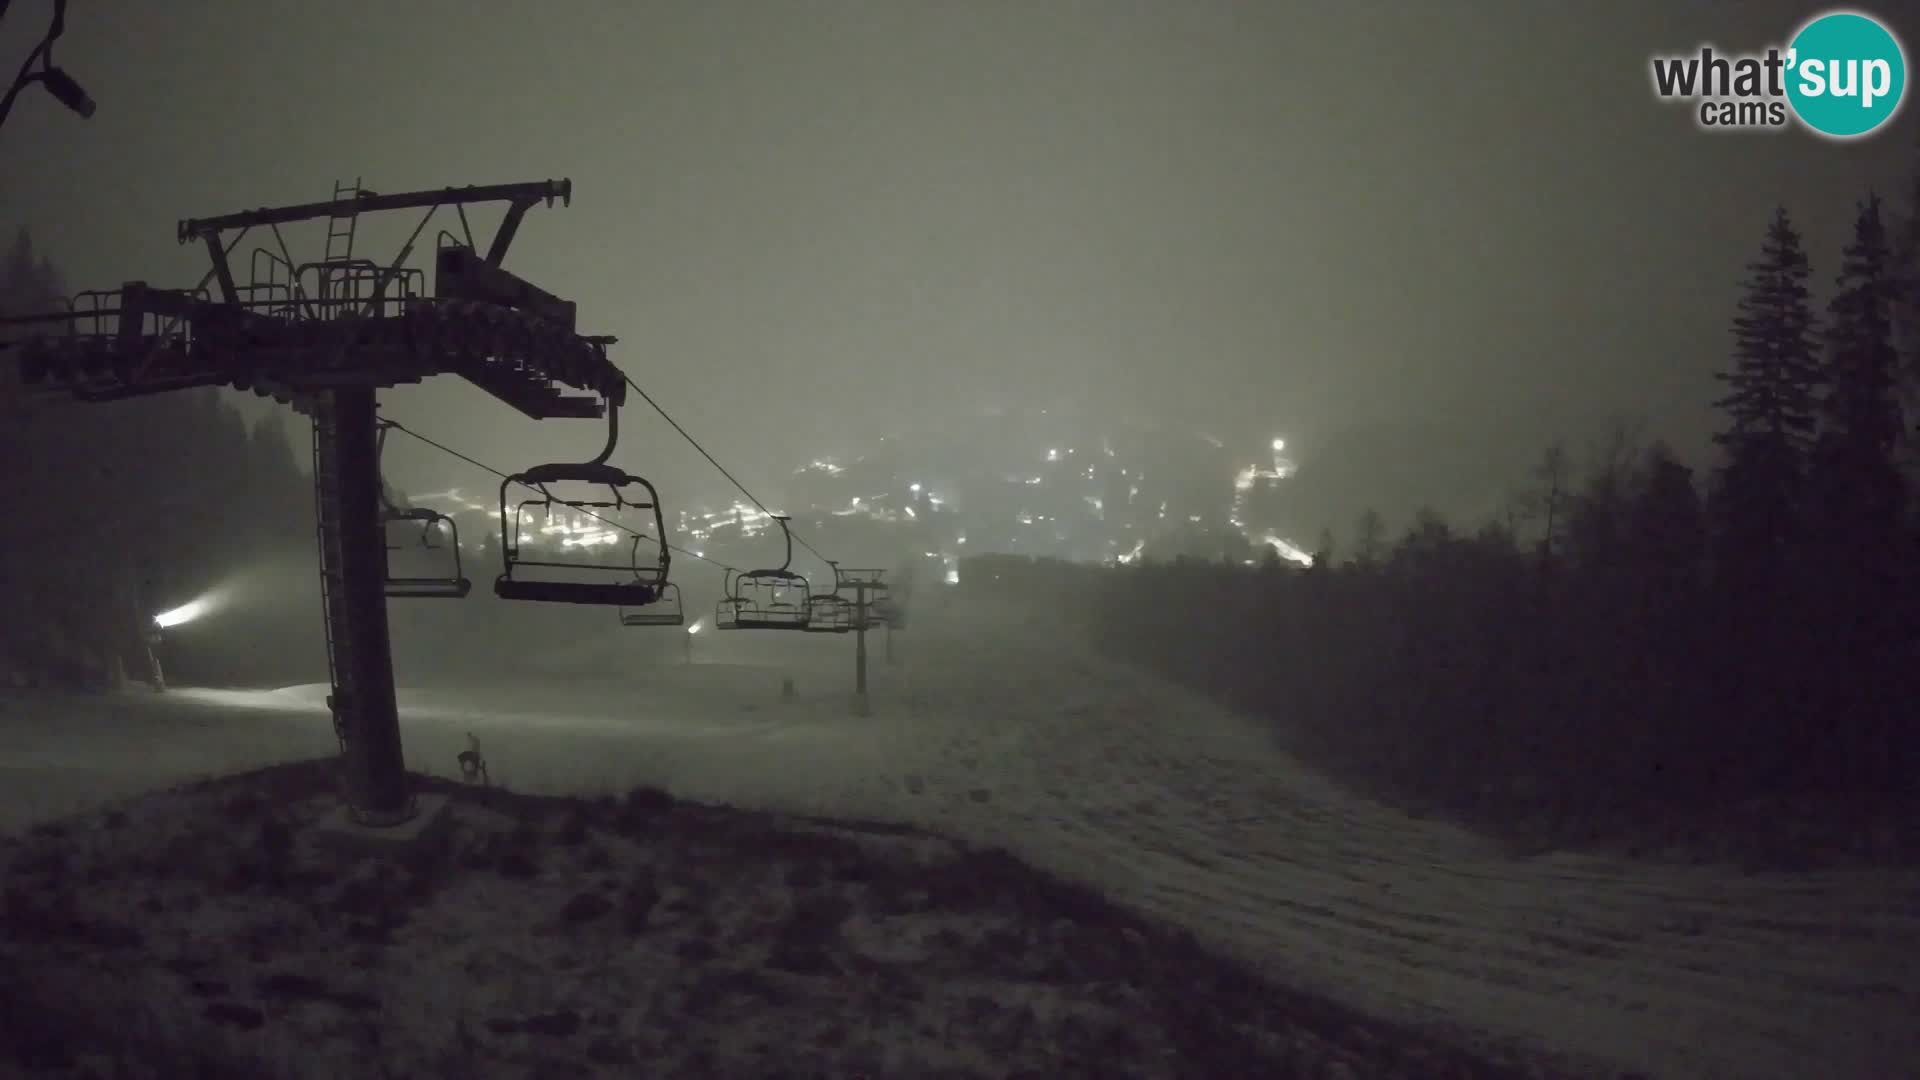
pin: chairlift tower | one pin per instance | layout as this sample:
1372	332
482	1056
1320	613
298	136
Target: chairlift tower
867	586
324	337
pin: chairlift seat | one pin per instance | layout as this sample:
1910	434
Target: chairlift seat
829	614
429	588
751	598
749	622
606	594
749	617
647	584
455	585
666	610
650	618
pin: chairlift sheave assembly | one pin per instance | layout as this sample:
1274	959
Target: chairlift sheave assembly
638	582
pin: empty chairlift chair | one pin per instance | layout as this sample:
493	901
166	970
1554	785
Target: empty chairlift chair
773	599
638	581
829	613
763	600
664	611
414	586
454	586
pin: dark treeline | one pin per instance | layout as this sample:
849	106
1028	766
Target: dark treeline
1632	646
120	510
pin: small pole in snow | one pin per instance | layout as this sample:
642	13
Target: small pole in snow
860	644
860	707
156	677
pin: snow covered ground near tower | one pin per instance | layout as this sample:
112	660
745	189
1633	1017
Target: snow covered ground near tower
1170	804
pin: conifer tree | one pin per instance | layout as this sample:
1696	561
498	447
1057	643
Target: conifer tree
1855	455
1369	540
1862	497
1770	407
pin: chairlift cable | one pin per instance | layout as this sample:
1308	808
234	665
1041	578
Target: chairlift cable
644	396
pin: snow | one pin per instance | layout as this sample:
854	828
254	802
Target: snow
1171	805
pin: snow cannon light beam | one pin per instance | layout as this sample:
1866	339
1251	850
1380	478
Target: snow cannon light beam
180	616
185	613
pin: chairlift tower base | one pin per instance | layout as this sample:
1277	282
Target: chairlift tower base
425	828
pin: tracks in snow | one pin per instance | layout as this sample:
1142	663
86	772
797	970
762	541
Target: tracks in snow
1184	810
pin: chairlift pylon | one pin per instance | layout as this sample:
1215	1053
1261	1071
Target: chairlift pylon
645	583
770	599
413	587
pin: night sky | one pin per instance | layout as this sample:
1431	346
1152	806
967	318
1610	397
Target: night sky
1368	227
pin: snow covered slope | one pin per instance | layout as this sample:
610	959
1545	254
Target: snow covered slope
1172	805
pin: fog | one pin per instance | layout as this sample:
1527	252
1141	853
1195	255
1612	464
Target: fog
1398	545
1361	228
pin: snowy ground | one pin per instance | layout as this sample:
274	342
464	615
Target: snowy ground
213	930
1169	804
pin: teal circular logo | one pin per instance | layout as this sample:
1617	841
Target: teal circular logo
1846	75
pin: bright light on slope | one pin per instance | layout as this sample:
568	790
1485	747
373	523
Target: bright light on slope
185	613
694	627
1288	551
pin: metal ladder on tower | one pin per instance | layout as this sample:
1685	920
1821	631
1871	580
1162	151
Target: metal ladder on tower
327	532
335	281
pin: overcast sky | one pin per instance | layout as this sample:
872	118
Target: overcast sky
805	218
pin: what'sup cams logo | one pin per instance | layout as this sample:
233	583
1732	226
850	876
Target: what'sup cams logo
1842	75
